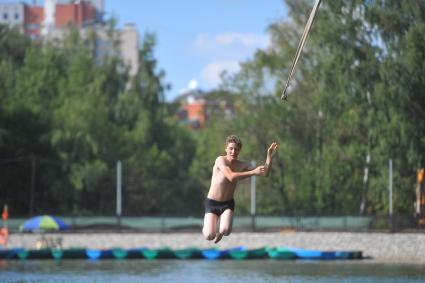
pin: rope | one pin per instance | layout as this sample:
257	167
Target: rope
300	46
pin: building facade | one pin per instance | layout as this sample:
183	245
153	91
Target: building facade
35	20
12	14
51	20
129	47
197	107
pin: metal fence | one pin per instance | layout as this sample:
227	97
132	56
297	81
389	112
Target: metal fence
241	223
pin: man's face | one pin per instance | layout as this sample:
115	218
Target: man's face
232	151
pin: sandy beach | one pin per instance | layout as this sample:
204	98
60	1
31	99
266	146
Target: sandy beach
393	247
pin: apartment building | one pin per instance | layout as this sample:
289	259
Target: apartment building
51	20
12	14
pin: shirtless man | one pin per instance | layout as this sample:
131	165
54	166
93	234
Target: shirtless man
227	171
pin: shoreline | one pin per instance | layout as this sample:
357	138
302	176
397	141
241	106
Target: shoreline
379	247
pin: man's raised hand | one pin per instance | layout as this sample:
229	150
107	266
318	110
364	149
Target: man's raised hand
272	149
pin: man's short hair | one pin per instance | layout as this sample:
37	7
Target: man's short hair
233	139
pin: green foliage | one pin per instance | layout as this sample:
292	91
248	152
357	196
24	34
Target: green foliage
357	92
67	116
73	118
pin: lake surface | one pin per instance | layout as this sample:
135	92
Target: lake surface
223	271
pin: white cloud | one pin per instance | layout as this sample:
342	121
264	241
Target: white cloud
211	72
231	42
224	52
246	40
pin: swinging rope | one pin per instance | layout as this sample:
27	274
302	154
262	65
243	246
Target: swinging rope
300	47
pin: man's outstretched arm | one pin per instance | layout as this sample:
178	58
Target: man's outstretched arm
269	159
234	176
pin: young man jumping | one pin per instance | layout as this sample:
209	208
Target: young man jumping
227	171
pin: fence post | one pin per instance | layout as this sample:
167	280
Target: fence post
32	188
390	194
119	194
345	224
253	200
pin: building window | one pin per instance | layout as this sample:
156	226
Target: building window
5	16
16	16
32	26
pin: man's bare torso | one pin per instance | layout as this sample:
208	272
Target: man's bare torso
221	188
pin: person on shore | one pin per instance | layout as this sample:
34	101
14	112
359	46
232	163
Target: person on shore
226	172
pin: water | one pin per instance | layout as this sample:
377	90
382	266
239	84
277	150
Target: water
224	271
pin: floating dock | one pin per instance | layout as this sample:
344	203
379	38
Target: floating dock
237	253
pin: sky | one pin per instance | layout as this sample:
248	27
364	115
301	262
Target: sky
198	39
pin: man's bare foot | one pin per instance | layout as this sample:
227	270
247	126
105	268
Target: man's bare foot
218	238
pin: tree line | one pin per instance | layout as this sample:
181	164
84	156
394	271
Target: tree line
355	103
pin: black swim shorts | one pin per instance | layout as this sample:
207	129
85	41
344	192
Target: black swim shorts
218	207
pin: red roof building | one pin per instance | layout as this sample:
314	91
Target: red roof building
78	14
36	20
197	107
34	17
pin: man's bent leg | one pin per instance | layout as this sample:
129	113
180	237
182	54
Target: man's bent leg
210	226
226	221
